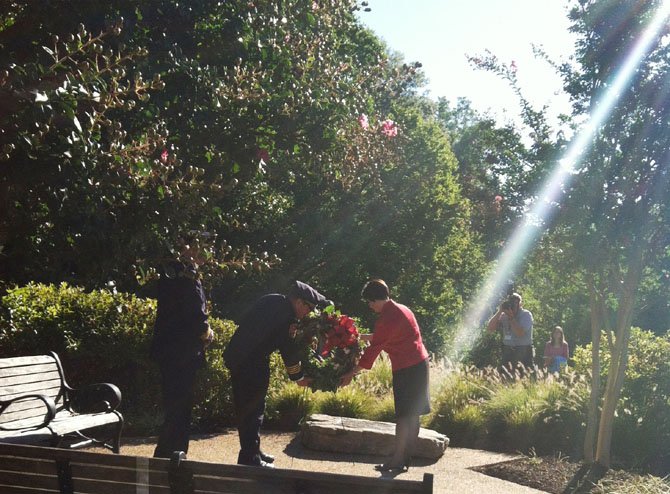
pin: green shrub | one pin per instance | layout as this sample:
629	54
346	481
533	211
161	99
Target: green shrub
346	402
641	435
562	416
104	336
461	387
511	413
480	408
383	409
377	381
287	406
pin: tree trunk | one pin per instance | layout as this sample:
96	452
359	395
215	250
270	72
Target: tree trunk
617	370
592	414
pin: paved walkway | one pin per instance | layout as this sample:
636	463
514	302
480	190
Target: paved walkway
451	472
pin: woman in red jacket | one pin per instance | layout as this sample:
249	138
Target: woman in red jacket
397	333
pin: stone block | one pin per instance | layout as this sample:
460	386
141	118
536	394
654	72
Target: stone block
359	436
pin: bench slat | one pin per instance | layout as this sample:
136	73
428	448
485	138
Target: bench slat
12	489
35	481
89	486
65	423
31	388
30	360
22	410
27	378
126	475
26	370
35	465
23	423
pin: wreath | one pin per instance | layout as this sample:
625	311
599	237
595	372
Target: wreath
330	347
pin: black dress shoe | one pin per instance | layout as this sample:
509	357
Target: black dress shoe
266	457
256	462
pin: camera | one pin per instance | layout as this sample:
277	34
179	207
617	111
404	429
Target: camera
506	305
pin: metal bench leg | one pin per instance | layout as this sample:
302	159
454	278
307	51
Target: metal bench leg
116	444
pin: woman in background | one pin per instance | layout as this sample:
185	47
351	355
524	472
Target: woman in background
556	351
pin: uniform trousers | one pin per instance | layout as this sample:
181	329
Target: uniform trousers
250	387
177	382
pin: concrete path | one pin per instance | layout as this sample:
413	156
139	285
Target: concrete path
451	472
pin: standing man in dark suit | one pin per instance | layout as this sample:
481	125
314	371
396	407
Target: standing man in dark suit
265	328
181	334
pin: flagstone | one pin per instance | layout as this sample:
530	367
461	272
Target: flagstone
349	435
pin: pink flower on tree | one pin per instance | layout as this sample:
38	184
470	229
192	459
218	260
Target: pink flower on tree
389	128
513	66
164	156
263	155
497	203
363	121
315	6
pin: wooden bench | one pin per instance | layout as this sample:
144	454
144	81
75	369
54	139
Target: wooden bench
40	470
37	406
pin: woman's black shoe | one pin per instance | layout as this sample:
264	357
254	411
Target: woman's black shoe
391	468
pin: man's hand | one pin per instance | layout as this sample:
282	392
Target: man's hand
305	381
293	330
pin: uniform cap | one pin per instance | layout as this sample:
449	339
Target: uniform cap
307	293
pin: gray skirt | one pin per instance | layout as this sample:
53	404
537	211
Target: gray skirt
411	395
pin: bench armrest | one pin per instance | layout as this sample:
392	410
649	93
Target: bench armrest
99	397
19	417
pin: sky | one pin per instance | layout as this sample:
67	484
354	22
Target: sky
440	33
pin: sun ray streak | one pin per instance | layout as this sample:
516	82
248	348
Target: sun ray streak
528	232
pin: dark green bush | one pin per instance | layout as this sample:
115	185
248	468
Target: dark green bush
102	336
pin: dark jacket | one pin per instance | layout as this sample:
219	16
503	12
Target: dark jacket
263	330
181	319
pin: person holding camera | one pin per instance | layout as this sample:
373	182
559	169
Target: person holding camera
516	325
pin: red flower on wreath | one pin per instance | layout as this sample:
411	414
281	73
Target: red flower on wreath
342	334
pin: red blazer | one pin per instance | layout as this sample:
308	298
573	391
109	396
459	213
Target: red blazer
397	333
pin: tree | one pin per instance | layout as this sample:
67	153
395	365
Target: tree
617	212
613	220
495	170
103	168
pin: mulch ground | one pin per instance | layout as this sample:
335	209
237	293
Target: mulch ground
551	474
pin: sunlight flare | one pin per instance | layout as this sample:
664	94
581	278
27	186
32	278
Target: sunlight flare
527	233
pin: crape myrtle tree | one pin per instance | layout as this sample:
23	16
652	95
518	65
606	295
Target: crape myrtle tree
617	210
495	170
283	127
401	217
127	123
405	221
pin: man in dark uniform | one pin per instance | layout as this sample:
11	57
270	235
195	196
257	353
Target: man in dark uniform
264	329
181	333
